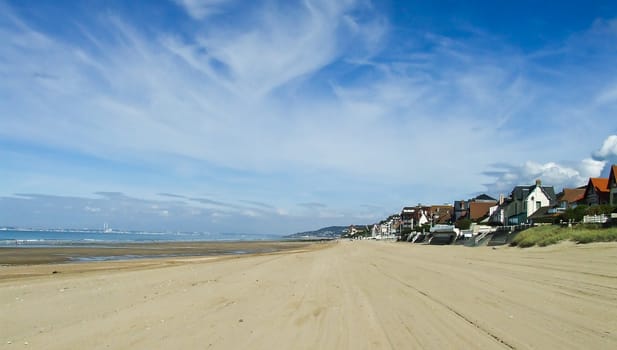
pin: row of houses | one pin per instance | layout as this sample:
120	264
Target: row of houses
524	204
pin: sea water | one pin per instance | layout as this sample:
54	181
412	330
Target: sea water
57	238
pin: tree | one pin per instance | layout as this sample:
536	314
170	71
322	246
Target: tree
575	214
463	224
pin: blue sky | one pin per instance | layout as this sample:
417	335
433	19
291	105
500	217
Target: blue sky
277	117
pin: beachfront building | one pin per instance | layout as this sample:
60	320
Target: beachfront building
497	213
407	218
473	209
375	230
440	214
526	200
597	191
357	231
570	198
387	228
612	185
412	217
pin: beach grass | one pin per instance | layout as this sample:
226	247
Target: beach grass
550	234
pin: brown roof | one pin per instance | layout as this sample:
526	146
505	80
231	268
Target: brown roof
572	195
478	210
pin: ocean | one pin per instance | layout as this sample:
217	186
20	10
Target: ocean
84	238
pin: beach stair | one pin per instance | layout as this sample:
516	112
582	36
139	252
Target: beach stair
505	234
419	238
442	238
480	240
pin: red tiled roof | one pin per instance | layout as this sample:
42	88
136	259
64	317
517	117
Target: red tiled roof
600	183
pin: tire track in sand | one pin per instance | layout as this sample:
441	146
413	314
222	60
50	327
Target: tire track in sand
447	307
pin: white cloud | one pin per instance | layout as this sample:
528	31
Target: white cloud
552	173
607	154
200	9
590	168
608	149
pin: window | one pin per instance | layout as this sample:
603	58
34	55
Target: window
538	205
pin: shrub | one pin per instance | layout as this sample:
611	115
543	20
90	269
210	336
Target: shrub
600	209
463	224
575	214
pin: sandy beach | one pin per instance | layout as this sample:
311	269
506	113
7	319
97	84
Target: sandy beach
16	255
345	295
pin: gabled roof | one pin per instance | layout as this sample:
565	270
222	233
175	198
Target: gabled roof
572	195
478	210
612	177
521	192
550	193
600	187
599	183
484	197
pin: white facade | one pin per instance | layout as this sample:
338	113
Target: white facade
423	219
535	200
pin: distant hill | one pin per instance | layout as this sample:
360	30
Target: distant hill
326	232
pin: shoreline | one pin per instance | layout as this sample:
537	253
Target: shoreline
100	252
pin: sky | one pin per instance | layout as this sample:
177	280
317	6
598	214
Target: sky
285	116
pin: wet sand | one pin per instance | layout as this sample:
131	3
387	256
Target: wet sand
126	255
346	295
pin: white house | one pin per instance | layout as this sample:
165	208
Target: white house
526	200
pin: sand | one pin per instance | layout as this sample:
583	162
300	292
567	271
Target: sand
17	255
345	295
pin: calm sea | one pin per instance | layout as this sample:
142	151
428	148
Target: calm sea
34	238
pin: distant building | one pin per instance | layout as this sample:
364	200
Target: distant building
440	214
497	213
414	216
474	209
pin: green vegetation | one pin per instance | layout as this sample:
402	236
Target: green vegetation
463	224
576	214
551	234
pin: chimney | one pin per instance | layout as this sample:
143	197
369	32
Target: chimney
538	182
501	199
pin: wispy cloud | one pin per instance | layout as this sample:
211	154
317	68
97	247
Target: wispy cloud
313	205
200	9
251	112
